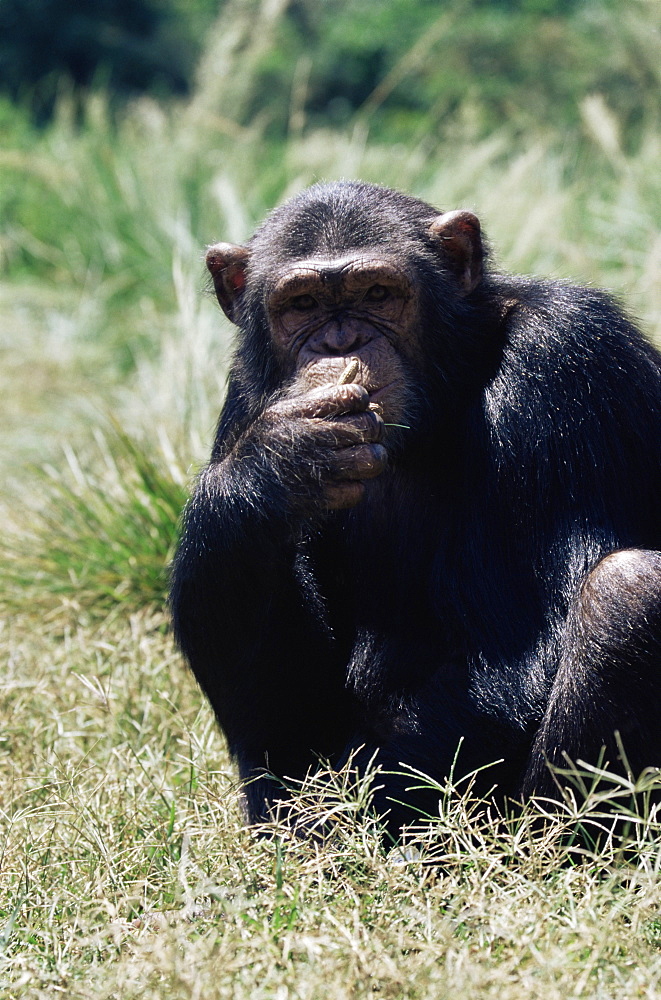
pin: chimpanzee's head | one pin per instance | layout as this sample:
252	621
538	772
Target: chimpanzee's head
350	271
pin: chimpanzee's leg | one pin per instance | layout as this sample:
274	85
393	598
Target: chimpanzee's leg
609	677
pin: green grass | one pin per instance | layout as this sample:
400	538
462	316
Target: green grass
125	868
100	540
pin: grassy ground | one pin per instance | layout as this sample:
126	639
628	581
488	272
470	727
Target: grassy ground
124	867
126	872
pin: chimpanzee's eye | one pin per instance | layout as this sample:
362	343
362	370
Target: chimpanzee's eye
302	303
377	293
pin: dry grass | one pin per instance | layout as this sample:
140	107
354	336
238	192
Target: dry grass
126	871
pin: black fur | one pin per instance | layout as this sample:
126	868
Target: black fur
464	597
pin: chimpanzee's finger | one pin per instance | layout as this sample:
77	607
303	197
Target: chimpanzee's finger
347	430
363	461
340	496
327	401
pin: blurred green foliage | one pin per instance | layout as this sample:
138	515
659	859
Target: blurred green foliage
128	46
411	66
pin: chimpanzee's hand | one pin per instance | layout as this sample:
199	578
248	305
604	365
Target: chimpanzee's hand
322	444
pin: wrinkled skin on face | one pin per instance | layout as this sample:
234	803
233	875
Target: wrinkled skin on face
352	317
325	313
349	319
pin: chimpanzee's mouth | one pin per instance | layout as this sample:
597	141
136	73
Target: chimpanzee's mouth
377	394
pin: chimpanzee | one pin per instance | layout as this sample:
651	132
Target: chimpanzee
430	514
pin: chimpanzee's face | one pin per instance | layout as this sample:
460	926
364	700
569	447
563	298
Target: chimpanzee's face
325	313
338	280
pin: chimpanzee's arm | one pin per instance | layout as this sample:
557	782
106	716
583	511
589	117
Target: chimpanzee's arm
237	614
249	630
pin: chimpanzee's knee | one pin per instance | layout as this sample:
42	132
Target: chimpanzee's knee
609	675
619	604
632	570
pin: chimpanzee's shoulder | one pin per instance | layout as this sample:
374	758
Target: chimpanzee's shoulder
553	298
572	321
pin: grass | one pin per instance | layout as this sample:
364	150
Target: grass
127	873
105	538
125	869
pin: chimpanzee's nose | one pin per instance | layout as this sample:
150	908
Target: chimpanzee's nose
341	337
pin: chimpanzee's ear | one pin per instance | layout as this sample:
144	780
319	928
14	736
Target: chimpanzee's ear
457	235
227	263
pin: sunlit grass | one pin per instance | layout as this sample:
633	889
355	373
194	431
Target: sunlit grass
102	537
127	872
